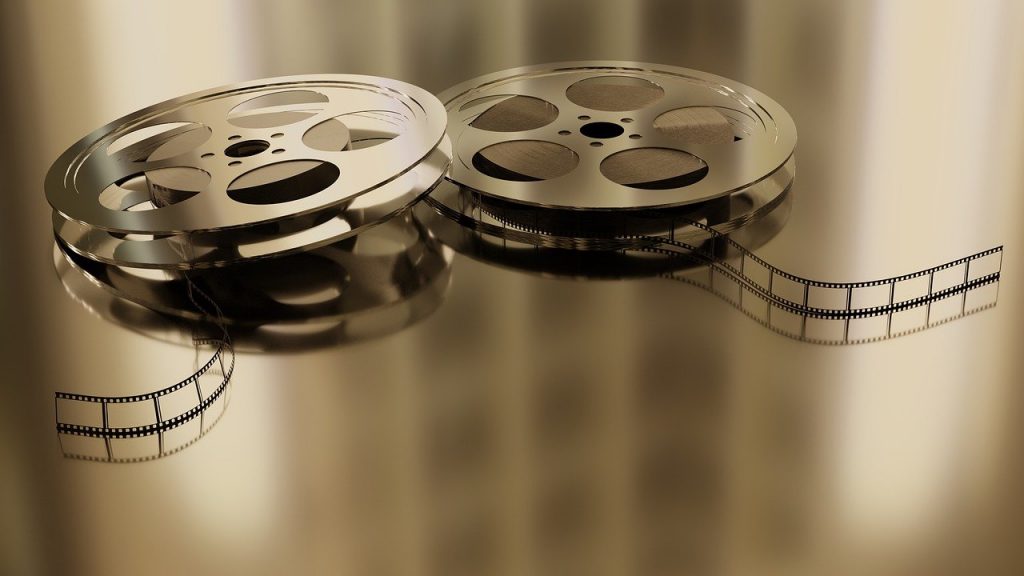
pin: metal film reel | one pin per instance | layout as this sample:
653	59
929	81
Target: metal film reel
203	249
249	170
458	217
276	201
583	144
660	171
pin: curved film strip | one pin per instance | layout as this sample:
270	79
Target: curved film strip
695	253
152	425
376	283
613	169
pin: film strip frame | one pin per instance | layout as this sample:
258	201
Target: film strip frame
87	429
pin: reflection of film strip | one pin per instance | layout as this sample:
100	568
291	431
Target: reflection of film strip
152	425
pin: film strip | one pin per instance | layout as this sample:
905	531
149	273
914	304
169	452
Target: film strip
141	427
381	281
695	253
580	169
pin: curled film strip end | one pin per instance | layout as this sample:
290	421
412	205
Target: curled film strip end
155	424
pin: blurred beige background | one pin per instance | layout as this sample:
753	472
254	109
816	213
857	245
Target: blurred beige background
538	425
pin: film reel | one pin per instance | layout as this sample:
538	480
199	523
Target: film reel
155	424
204	198
205	250
245	171
654	167
606	149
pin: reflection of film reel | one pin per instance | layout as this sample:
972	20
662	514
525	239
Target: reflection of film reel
805	309
610	148
654	167
376	283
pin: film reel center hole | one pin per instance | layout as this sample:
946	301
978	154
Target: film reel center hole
601	130
246	148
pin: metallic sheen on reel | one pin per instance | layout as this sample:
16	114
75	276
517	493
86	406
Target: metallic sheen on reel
268	167
587	138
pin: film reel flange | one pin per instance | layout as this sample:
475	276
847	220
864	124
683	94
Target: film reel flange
600	136
258	165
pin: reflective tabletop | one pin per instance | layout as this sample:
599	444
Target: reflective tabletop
511	418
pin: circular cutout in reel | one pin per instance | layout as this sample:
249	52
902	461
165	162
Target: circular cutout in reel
290	162
582	141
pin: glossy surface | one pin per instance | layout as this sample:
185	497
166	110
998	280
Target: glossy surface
536	424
